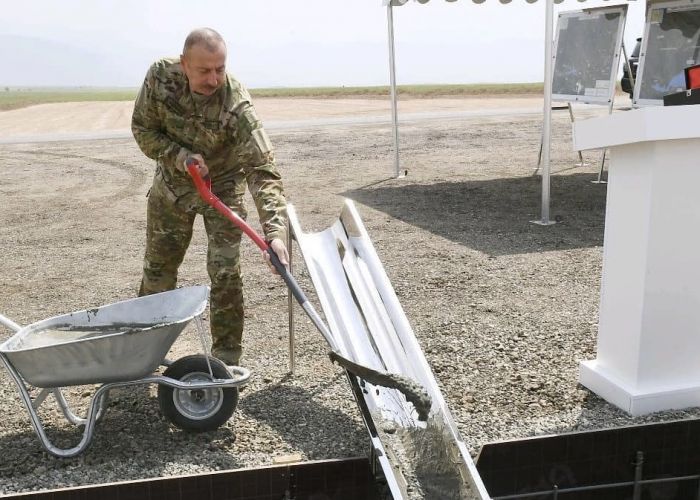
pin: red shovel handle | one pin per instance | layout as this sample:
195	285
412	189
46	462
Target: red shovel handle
203	186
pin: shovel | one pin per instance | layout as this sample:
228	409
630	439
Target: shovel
413	391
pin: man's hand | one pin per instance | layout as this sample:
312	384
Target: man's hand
203	169
281	250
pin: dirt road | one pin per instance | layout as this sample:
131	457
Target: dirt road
101	117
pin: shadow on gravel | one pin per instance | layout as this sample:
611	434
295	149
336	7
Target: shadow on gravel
131	430
319	431
493	216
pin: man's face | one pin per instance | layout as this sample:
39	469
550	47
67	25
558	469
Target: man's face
205	69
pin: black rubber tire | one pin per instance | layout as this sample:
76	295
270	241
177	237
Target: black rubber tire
200	410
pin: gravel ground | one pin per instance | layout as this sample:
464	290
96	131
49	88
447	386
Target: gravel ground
504	309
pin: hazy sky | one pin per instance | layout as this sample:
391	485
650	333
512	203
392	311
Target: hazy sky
282	42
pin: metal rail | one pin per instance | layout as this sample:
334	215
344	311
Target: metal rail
637	485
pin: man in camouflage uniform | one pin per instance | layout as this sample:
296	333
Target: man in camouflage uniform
192	108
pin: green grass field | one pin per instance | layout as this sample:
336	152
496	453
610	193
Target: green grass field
21	98
14	98
405	90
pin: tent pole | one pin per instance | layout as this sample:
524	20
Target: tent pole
547	123
392	77
610	110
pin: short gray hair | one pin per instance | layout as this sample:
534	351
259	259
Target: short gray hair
207	37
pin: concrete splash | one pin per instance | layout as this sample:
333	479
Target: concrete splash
428	460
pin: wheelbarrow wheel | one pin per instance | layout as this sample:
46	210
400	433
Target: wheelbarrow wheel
199	409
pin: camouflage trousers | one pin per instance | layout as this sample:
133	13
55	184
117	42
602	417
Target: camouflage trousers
168	233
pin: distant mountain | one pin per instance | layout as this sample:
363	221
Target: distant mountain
30	61
33	61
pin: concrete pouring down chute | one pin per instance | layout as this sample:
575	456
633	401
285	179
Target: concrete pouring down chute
419	458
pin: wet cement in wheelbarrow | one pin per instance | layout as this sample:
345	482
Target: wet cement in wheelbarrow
63	334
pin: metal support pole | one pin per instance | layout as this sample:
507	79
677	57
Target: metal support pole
610	110
373	461
602	156
547	122
539	154
637	486
290	304
571	115
629	67
392	79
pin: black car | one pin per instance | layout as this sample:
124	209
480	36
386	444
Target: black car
625	83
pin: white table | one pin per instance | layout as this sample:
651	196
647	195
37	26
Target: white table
648	355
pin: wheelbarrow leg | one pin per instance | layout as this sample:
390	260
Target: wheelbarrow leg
93	410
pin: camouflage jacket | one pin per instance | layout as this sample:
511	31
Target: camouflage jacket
170	122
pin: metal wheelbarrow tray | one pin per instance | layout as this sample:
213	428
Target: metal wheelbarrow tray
118	345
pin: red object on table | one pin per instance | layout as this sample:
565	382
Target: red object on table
692	77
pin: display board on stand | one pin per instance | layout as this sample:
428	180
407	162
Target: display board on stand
671	43
587	51
587	54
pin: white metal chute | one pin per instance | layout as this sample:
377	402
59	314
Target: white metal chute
369	326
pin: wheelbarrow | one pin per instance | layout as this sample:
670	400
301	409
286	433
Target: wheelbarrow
119	345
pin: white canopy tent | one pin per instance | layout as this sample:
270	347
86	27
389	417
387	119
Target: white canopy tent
548	71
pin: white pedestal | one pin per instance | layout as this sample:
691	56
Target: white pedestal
649	326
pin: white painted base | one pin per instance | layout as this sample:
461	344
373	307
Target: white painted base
648	353
634	401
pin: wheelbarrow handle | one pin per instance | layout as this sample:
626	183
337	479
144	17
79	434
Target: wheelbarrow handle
203	186
7	322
